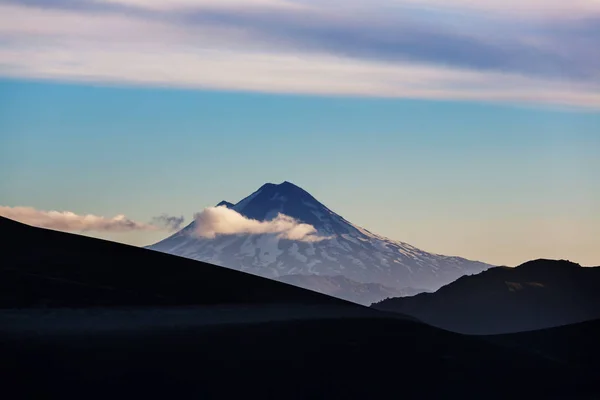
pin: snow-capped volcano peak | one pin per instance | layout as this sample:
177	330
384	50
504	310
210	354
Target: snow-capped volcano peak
285	198
349	250
291	200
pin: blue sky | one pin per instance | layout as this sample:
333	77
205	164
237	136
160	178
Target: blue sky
416	170
420	122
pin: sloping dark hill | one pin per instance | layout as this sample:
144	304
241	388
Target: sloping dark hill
536	295
41	267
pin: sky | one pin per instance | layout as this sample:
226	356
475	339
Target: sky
461	127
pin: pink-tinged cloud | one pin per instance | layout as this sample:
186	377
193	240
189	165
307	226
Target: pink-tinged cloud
214	221
71	222
539	51
537	9
173	5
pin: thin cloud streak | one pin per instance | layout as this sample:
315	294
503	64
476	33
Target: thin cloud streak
71	222
281	73
536	9
171	5
402	49
214	221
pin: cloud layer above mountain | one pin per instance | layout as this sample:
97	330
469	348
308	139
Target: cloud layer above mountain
534	51
71	222
221	220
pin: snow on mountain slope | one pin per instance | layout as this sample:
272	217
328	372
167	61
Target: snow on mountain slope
350	251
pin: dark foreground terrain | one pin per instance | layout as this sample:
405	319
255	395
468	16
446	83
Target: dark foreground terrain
88	319
538	294
577	345
318	357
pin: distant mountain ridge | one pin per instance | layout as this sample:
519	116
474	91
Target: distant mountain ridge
351	251
341	287
538	294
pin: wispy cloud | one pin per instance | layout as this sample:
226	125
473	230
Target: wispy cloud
221	220
168	222
204	4
71	222
537	51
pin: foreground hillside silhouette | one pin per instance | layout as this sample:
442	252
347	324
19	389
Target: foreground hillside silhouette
121	322
535	295
41	267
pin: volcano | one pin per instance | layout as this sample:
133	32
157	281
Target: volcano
348	250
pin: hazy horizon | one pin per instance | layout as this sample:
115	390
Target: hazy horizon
460	128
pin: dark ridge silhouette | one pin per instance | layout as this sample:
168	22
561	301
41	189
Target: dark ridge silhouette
46	268
535	295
